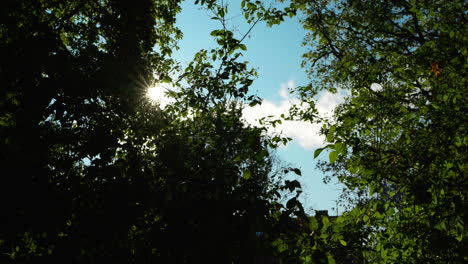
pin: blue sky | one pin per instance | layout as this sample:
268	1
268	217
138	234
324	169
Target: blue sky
276	54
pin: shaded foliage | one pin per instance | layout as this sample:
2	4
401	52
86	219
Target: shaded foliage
93	172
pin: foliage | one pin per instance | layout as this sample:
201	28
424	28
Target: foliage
93	172
399	141
72	73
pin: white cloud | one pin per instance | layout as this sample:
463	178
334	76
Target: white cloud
305	134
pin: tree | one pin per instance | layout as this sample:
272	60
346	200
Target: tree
95	173
71	74
400	137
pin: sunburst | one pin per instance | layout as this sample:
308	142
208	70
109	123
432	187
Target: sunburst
157	94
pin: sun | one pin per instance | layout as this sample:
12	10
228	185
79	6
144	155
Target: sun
157	94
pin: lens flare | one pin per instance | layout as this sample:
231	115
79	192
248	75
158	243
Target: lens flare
157	94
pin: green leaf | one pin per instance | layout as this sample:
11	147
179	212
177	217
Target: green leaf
247	174
331	133
390	211
333	156
440	226
326	222
297	171
365	218
318	151
342	242
255	102
166	79
221	12
313	224
338	147
237	158
291	185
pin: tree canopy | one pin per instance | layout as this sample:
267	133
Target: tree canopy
94	171
398	143
91	170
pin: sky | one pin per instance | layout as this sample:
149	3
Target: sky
276	54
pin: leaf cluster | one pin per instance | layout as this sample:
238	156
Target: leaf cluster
398	143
